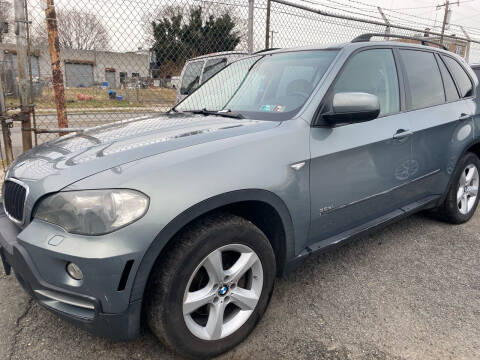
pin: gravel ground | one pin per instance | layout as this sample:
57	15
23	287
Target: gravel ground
409	291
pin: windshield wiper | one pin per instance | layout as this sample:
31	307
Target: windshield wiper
224	113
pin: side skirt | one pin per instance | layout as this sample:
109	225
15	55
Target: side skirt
345	237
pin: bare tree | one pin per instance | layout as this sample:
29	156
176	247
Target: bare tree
78	30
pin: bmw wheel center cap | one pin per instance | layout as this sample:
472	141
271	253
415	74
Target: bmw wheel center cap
223	290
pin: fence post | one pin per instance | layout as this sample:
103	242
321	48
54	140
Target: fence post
267	25
7	140
250	26
24	88
57	74
387	23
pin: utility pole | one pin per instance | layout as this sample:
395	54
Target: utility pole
24	89
7	139
272	32
267	25
445	18
250	26
57	74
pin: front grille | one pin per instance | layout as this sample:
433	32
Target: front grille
14	199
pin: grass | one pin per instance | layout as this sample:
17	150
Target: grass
131	98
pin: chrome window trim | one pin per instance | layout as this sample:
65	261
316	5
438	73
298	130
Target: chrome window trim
27	191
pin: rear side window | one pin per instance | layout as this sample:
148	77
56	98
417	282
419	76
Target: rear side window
450	89
463	81
212	67
477	72
191	77
424	84
373	72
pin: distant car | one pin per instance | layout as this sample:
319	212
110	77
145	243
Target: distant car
198	70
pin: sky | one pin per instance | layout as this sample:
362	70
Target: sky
464	12
126	19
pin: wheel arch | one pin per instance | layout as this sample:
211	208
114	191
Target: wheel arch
473	147
255	205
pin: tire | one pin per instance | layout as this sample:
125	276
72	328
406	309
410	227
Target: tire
189	266
458	212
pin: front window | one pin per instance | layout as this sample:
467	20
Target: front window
269	87
373	72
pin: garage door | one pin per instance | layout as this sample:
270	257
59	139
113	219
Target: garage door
35	66
110	78
79	74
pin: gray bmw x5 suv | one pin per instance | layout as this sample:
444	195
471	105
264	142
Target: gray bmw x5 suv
182	221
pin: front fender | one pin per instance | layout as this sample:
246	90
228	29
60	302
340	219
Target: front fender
192	181
204	207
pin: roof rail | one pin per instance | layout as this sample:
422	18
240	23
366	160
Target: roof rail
264	50
423	41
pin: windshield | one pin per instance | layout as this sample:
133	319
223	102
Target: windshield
266	87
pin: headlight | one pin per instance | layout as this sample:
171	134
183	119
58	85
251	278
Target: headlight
93	212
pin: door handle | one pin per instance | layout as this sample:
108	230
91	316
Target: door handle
402	133
464	116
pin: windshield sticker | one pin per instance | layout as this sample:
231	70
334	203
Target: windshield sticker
272	108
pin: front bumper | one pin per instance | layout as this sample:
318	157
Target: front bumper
83	310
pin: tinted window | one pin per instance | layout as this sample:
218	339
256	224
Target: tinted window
373	72
477	72
212	67
463	81
191	77
450	89
424	84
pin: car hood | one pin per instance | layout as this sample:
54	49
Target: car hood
58	163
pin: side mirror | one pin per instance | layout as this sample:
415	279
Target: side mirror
353	107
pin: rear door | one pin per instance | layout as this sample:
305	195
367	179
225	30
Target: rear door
437	112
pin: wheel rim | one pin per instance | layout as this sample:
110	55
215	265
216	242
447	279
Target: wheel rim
467	189
223	292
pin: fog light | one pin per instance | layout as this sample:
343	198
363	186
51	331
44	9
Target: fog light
74	271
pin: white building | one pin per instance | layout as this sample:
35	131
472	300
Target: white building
81	68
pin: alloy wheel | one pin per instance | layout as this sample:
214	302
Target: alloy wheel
223	292
468	189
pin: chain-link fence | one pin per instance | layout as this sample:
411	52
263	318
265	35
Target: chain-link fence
119	59
124	58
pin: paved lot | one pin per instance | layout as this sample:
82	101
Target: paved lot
409	291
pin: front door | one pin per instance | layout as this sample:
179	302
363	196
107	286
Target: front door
358	172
